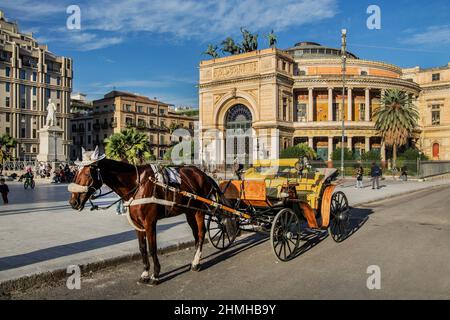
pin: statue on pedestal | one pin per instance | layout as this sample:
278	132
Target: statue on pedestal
51	114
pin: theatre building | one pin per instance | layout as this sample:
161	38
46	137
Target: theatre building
298	93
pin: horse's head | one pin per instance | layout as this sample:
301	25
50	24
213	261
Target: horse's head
87	181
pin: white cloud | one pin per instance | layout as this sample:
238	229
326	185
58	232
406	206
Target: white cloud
437	35
111	20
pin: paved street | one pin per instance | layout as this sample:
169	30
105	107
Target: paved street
407	237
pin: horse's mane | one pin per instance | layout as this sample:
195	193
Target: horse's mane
119	166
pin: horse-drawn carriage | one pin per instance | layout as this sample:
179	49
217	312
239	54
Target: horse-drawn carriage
277	197
284	197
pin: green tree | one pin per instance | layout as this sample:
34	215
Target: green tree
348	154
396	119
6	144
298	151
129	145
412	154
168	154
371	155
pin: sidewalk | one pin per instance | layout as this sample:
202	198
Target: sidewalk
40	233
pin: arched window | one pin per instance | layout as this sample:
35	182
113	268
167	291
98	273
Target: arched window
436	150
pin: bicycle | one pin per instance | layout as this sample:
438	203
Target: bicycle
29	182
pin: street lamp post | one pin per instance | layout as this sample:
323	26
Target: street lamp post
344	61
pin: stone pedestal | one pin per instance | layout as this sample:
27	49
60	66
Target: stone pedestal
51	144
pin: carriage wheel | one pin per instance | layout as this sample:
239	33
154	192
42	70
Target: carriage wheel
222	230
285	234
339	227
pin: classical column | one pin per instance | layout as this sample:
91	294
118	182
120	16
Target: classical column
367	144
367	116
310	105
330	147
311	142
349	105
330	104
350	143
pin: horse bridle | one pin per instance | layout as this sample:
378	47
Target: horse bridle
86	189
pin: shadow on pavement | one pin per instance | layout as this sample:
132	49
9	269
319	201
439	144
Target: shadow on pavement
239	246
17	261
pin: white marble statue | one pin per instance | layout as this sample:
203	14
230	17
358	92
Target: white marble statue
51	114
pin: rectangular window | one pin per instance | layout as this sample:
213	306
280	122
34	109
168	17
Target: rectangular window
7	102
58	94
8	131
34	91
301	112
48	93
362	111
284	108
336	111
23	133
7	117
47	78
89	127
34	134
34	76
58	81
8	71
161	112
89	139
8	86
435	115
23	74
436	77
34	104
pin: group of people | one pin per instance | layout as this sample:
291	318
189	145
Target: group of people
64	174
375	173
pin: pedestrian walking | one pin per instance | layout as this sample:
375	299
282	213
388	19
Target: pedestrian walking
404	174
359	177
375	173
4	190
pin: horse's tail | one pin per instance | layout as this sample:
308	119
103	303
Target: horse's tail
221	198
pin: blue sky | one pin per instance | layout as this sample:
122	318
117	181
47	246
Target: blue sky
153	47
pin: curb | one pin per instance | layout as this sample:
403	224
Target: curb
54	277
399	195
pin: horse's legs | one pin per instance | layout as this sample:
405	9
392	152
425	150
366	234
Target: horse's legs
201	231
151	236
145	277
192	221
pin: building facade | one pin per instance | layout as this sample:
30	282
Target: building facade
434	107
81	130
29	75
298	93
120	110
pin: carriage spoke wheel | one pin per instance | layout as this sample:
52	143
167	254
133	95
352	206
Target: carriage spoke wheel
221	230
339	227
285	234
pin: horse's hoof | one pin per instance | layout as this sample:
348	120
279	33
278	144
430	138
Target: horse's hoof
153	282
195	268
143	281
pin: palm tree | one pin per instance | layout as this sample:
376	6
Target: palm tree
396	119
129	145
6	144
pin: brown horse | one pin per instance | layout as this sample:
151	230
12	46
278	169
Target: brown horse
129	182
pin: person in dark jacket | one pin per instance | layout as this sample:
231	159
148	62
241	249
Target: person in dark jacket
4	190
375	173
359	177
